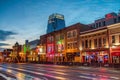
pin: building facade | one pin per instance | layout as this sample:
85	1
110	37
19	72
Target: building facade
114	43
72	41
109	19
94	43
63	45
15	55
60	46
42	48
94	46
56	22
31	49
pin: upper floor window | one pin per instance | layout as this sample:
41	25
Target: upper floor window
96	25
68	46
71	45
99	24
68	34
74	33
89	43
75	45
50	39
100	42
61	36
104	23
115	20
104	41
57	37
86	43
113	39
119	38
95	42
119	19
82	44
93	25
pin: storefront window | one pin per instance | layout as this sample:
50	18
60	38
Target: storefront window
87	58
105	58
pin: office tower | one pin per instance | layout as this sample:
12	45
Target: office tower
55	22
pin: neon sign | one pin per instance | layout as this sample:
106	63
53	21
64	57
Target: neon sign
109	16
60	45
50	48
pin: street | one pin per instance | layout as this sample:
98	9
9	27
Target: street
25	71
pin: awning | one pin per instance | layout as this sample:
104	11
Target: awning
115	53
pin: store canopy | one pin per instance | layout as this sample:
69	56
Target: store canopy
115	53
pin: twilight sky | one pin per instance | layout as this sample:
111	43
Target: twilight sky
27	19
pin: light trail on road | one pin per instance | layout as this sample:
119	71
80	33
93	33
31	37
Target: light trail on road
56	72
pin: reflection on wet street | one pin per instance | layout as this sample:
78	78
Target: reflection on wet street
55	72
19	75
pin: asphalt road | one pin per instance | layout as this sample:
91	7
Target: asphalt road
56	72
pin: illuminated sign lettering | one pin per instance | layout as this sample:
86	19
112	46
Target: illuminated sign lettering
109	16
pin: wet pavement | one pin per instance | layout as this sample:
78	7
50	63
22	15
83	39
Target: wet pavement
56	72
1	78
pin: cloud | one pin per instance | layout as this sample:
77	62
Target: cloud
6	35
3	44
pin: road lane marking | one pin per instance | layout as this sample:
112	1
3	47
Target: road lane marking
86	77
58	72
115	77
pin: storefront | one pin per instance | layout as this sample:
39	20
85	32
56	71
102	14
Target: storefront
50	52
73	57
95	56
115	53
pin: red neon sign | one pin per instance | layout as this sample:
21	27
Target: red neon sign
109	16
50	48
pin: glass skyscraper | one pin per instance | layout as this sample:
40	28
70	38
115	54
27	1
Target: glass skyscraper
55	22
